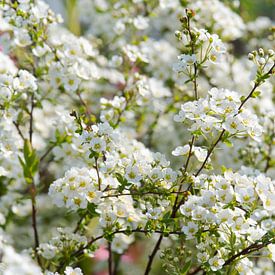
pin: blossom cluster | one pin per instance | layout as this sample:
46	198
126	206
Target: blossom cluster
227	205
220	110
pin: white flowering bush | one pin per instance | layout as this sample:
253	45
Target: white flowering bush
137	137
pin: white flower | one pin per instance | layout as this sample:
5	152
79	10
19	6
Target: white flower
41	50
22	38
47	251
217	44
98	144
200	153
271	248
181	150
232	125
216	263
244	267
140	22
188	59
134	53
121	242
202	257
268	201
56	75
180	117
119	27
24	81
184	61
186	209
133	174
116	61
245	195
71	82
156	174
169	175
154	213
73	271
190	230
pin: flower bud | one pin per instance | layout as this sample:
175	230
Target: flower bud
250	56
261	61
270	52
183	19
178	34
190	13
261	52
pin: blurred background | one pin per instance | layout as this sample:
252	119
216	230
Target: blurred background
248	9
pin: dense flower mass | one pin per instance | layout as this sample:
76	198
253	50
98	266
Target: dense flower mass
220	110
136	136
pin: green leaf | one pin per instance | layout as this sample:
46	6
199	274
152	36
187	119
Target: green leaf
228	143
255	94
27	150
186	268
93	154
30	164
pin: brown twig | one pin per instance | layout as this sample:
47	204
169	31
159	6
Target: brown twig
33	189
84	104
34	222
18	130
152	255
47	152
252	248
31	118
210	152
110	259
269	151
142	194
78	224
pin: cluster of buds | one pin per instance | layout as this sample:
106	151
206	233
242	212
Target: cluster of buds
260	57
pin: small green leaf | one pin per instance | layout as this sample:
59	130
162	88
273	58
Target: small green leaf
228	143
255	94
186	268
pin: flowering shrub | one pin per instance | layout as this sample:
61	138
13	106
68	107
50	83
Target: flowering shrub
143	140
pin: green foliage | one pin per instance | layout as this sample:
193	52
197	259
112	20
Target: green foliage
30	163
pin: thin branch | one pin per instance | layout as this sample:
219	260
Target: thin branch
195	65
256	85
18	130
210	152
268	158
176	205
84	104
269	151
116	264
195	271
31	118
252	248
34	222
47	152
79	223
33	189
110	259
142	194
152	255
